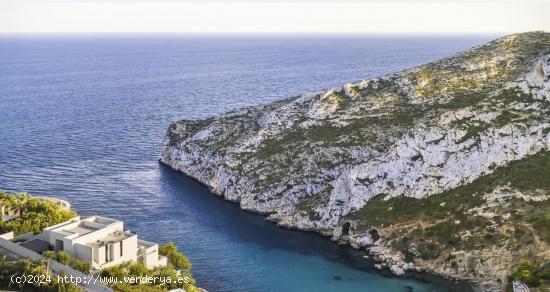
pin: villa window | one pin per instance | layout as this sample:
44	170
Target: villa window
121	248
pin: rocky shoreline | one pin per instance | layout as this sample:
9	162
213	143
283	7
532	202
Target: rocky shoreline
382	259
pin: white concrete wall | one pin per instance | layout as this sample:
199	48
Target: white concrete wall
97	234
56	267
19	250
72	220
24	237
151	257
129	246
66	223
7	235
83	253
52	235
77	246
62	203
100	256
68	246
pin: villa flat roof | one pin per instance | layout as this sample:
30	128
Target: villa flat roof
81	229
111	238
145	243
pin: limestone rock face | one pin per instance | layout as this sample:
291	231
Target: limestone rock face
315	162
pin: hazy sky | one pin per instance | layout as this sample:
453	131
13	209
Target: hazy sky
426	16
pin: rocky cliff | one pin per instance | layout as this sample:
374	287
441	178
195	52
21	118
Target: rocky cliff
444	167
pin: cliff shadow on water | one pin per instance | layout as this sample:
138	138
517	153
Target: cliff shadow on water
253	229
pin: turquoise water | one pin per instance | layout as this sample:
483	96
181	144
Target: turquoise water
83	118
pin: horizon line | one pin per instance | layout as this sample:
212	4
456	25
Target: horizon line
259	33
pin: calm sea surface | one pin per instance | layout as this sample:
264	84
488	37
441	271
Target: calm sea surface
83	117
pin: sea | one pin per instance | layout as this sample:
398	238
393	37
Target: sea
83	117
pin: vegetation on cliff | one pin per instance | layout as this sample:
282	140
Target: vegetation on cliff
37	270
33	214
534	275
66	259
469	218
175	257
176	275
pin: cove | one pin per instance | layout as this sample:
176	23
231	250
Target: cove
292	260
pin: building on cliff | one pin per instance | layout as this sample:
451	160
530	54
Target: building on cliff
102	242
519	287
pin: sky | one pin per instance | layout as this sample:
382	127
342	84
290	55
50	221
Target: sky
275	16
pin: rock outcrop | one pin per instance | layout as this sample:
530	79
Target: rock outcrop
419	167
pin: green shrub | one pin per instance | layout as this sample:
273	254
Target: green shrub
27	267
115	271
132	269
63	257
176	258
529	273
79	265
36	214
49	254
137	269
66	259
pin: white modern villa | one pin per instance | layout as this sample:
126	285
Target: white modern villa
102	242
